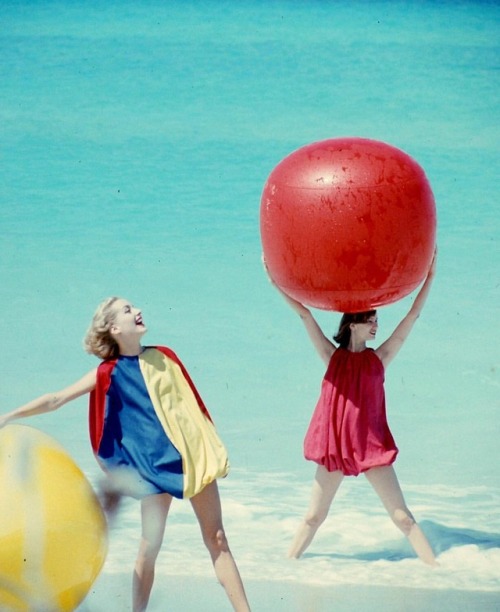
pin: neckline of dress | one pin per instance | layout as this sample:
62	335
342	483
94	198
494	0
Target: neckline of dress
367	348
133	356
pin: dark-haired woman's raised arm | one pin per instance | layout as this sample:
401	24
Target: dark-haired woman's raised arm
390	348
321	343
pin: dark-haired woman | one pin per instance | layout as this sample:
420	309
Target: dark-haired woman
348	433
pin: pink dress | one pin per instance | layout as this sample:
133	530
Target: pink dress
348	429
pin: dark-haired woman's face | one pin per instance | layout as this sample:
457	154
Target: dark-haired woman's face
368	330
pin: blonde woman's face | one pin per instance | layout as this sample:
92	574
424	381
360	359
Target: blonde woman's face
127	320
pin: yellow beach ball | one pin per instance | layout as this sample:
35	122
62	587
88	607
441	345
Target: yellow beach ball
53	533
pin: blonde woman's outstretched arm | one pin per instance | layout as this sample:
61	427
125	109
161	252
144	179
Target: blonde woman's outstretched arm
52	401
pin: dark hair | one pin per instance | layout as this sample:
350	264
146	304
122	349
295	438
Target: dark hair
343	335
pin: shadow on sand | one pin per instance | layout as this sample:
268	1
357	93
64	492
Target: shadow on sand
442	538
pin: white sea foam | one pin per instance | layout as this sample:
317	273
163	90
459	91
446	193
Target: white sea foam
358	544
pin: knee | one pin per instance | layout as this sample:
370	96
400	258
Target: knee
403	519
148	551
316	518
216	541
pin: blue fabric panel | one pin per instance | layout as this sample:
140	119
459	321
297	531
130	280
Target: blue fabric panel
133	436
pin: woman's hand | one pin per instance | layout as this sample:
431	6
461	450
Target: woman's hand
299	308
4	419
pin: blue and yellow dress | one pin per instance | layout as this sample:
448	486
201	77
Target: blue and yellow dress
147	417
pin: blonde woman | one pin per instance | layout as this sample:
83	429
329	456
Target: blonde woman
153	435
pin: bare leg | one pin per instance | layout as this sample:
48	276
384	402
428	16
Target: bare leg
207	508
324	488
386	485
154	511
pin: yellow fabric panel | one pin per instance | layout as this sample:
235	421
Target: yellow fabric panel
204	457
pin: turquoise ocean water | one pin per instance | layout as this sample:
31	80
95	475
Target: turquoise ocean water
136	140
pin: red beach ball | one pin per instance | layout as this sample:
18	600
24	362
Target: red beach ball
348	224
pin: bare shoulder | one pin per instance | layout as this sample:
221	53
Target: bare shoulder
383	354
88	378
327	351
391	347
83	385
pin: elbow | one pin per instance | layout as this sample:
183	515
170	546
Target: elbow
53	401
414	314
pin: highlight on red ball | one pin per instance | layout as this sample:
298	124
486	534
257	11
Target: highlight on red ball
348	224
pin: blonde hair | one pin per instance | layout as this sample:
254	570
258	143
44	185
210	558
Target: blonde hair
98	340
